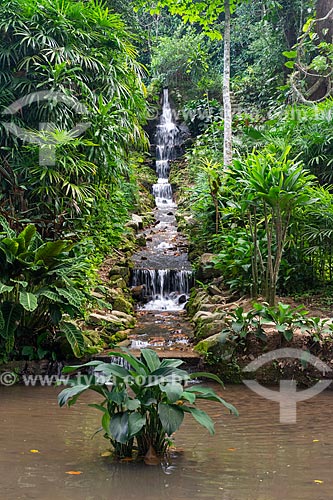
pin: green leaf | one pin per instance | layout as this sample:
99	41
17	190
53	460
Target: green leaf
48	251
74	297
151	359
135	423
5	288
290	64
106	422
173	391
201	417
25	237
132	360
290	54
73	368
212	376
66	396
171	417
171	362
189	396
28	301
112	369
74	337
49	294
133	404
119	428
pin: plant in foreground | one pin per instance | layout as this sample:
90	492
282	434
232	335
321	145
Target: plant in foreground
145	403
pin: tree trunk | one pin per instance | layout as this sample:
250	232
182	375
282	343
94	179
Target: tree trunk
323	7
226	88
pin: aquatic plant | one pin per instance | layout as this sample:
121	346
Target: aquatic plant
143	403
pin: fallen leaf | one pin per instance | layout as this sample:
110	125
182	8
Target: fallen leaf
106	454
232	449
73	472
315	440
127	459
34	451
318	481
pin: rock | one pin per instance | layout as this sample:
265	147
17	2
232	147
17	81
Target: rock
135	223
201	314
213	290
121	304
118	282
212	307
205	330
206	269
216	344
182	299
120	338
139	292
120	271
205	345
207	317
115	321
141	241
124	343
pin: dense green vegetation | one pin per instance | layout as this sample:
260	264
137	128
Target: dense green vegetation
78	81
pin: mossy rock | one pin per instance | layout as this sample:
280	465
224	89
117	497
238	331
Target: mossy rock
119	336
122	271
118	281
205	330
123	305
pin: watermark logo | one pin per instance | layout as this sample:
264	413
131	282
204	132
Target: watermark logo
44	139
287	396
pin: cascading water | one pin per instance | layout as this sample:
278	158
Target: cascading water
163	269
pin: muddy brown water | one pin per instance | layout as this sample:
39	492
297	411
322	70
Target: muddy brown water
252	457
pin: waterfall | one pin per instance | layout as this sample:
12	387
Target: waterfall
164	269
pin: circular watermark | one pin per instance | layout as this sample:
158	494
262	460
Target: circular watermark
287	396
8	378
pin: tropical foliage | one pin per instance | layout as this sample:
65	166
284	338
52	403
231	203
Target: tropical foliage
43	289
144	401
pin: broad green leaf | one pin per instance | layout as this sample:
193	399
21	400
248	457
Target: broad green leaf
135	423
25	237
49	294
132	360
106	423
151	359
133	404
5	288
74	337
28	301
171	417
67	394
173	391
189	396
171	362
113	369
47	252
201	417
119	428
212	376
73	368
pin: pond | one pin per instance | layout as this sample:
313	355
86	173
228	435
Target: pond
252	457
